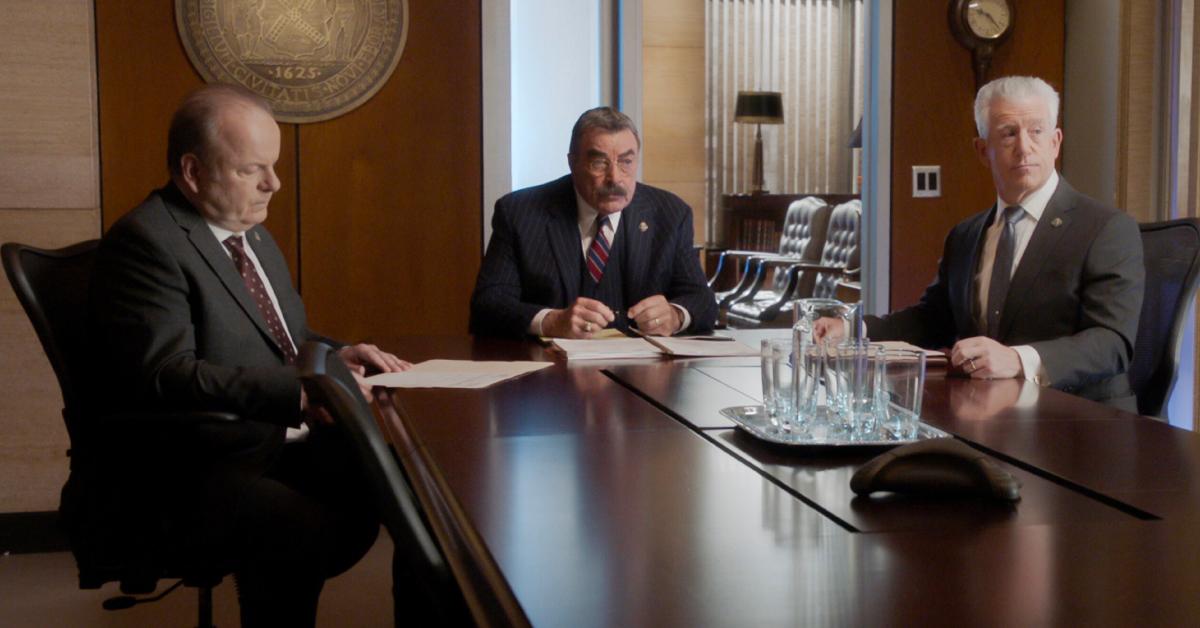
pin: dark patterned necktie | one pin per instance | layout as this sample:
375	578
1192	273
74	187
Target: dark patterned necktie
1002	269
258	291
597	256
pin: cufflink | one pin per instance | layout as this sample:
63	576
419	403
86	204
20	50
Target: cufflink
643	227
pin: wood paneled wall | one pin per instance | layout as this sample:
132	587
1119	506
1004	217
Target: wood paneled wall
933	124
673	101
378	215
48	198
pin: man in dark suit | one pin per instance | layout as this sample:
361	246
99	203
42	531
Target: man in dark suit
193	309
1046	284
592	249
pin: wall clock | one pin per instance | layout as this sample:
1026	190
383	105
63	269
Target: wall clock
981	26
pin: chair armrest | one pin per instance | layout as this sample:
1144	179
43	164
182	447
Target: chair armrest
783	260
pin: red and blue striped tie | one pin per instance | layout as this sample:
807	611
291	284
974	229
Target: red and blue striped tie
597	255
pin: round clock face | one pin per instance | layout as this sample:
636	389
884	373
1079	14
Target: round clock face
988	19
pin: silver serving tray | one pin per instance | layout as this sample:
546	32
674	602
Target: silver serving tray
820	432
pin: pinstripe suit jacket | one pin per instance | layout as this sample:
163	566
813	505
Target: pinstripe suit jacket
1075	296
534	258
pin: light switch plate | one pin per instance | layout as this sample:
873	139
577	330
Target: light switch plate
927	181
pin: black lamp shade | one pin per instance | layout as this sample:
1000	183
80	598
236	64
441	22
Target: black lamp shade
759	108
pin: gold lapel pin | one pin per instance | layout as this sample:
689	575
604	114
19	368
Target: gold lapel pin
643	227
1057	222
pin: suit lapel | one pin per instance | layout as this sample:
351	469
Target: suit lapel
218	260
637	246
562	230
1054	224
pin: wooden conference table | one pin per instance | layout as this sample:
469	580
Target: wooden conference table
614	494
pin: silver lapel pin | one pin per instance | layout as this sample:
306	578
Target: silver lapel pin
643	227
258	238
1057	222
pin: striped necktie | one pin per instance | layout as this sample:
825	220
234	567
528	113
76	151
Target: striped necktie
597	256
1002	269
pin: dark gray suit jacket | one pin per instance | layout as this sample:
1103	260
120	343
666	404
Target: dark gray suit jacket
534	259
176	326
1075	296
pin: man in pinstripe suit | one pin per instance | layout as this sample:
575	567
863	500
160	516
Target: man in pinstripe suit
593	249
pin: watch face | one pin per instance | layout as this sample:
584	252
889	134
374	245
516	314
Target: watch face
988	19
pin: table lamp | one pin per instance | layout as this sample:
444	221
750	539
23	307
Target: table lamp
759	108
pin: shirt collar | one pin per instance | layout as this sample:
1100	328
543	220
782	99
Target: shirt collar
1034	204
586	215
223	234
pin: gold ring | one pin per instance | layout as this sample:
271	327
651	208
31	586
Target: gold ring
973	367
587	327
654	323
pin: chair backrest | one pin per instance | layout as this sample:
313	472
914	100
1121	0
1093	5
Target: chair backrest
841	246
803	237
329	383
1172	258
52	286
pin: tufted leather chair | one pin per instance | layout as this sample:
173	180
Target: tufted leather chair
803	238
841	247
839	256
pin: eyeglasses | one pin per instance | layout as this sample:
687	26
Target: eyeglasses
600	165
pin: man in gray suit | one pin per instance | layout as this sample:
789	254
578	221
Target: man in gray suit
1046	284
592	249
192	308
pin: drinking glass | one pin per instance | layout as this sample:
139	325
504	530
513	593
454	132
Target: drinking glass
852	370
778	381
899	392
808	371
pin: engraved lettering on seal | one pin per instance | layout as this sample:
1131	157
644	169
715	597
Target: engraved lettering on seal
313	59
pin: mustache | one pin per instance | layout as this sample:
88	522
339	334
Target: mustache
615	189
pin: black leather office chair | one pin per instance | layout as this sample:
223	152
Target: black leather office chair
839	259
52	287
430	594
1172	257
802	239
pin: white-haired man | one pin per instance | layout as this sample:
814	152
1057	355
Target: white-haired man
1047	283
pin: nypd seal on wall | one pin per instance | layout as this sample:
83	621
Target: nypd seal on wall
313	59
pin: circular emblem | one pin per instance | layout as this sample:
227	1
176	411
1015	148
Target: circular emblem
313	59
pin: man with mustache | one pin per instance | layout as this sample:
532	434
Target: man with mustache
593	249
1047	283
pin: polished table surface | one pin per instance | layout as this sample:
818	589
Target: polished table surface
613	493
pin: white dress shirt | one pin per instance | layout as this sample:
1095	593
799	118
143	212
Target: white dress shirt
293	433
586	216
1034	206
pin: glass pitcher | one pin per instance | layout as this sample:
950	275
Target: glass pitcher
805	313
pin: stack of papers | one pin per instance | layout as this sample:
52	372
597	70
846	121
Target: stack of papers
455	374
933	357
652	347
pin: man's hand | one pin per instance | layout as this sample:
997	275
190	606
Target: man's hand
582	319
655	316
983	358
362	357
829	328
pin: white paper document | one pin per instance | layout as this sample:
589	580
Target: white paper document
455	374
931	355
651	347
